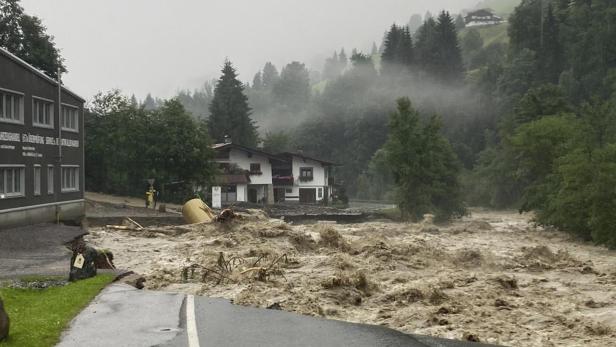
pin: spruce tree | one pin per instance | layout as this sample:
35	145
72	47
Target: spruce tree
229	111
425	47
270	76
257	81
449	65
398	52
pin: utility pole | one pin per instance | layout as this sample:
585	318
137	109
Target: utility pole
59	166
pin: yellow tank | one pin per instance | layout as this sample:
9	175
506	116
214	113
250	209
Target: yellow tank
196	211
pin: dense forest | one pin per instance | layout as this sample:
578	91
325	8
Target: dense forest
436	117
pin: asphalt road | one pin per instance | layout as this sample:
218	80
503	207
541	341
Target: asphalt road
36	250
123	316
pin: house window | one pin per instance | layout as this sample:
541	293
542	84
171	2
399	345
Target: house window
305	174
255	169
70	179
70	118
11	107
11	181
37	180
289	191
50	179
42	112
320	193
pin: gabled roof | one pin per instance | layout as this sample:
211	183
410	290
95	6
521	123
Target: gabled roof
300	155
221	146
484	12
37	72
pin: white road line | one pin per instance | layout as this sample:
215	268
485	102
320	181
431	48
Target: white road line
191	322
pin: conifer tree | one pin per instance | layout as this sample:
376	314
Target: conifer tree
229	111
449	65
257	82
425	47
270	76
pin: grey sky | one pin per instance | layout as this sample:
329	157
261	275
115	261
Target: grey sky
161	46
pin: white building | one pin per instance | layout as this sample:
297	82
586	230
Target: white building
252	175
310	179
482	17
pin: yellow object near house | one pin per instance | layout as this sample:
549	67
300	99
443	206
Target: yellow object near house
196	211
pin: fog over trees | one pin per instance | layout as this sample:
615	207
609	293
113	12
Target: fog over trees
523	120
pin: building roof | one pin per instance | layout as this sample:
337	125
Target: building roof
484	12
220	146
37	72
324	162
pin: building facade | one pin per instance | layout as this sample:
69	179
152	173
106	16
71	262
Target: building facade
251	175
41	147
482	17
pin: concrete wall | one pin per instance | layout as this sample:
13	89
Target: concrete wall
71	211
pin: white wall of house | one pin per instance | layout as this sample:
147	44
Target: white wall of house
244	159
319	181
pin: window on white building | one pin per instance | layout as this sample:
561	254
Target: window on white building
42	112
37	180
70	178
50	179
305	174
12	181
70	118
11	107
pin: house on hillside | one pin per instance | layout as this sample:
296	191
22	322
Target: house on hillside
41	147
480	17
252	175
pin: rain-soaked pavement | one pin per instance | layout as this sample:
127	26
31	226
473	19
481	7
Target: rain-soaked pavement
36	250
124	316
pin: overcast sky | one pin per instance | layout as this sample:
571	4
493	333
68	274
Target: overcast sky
161	46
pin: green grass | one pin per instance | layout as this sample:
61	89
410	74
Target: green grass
500	7
38	316
491	33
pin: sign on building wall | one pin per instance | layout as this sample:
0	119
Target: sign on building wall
216	197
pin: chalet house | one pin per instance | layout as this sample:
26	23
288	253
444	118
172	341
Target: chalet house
252	175
482	17
41	147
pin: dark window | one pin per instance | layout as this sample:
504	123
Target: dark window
255	169
289	191
305	174
320	193
224	167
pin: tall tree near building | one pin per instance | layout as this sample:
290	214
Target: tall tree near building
229	110
26	37
425	47
423	164
449	66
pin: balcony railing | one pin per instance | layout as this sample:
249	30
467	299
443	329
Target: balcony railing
282	180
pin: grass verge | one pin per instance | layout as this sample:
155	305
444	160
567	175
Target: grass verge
38	316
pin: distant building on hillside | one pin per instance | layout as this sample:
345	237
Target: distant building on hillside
41	147
484	16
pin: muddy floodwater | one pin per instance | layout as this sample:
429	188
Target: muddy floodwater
492	275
